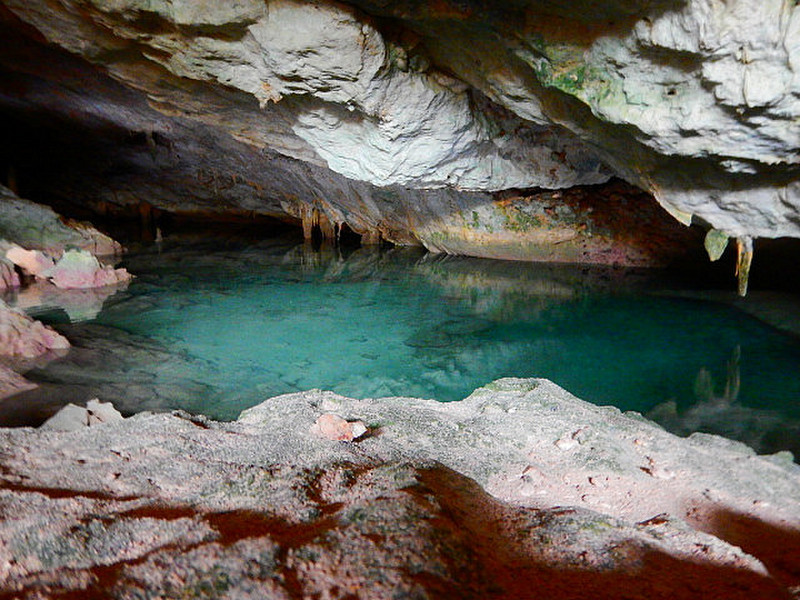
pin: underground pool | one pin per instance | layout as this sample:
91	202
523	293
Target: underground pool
215	328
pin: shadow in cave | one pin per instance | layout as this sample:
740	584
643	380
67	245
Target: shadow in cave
531	566
441	535
778	547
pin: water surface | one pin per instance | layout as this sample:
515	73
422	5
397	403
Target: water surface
215	330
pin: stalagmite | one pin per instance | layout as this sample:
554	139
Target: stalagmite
744	249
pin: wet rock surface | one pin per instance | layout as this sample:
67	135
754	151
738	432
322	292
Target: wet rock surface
481	498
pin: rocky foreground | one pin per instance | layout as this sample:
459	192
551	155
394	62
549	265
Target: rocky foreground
519	491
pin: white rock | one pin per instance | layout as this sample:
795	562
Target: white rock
72	417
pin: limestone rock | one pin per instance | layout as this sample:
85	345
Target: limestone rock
80	269
259	508
401	118
35	227
72	417
33	262
23	337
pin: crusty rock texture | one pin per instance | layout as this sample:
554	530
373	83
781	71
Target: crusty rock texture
519	491
404	119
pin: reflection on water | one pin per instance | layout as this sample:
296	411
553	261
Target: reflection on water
723	414
216	330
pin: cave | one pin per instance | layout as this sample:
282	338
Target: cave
367	299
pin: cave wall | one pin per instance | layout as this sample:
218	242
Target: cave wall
439	123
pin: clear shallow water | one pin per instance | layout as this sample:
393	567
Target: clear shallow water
216	331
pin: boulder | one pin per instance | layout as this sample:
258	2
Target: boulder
79	269
32	262
37	227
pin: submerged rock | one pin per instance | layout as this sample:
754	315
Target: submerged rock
21	336
12	383
470	499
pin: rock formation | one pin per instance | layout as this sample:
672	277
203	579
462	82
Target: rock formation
403	120
521	490
586	131
21	336
47	247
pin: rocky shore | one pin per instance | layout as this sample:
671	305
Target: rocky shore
519	491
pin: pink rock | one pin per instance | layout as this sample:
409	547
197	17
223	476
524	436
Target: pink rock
22	336
34	262
334	427
79	269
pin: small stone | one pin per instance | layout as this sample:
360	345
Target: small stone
73	417
566	443
335	428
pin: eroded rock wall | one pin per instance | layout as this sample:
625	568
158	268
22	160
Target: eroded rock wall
395	117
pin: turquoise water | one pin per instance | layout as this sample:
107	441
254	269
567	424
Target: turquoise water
217	330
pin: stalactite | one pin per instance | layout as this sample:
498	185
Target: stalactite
715	242
744	249
307	219
326	227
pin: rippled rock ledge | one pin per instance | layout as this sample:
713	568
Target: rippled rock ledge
519	491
